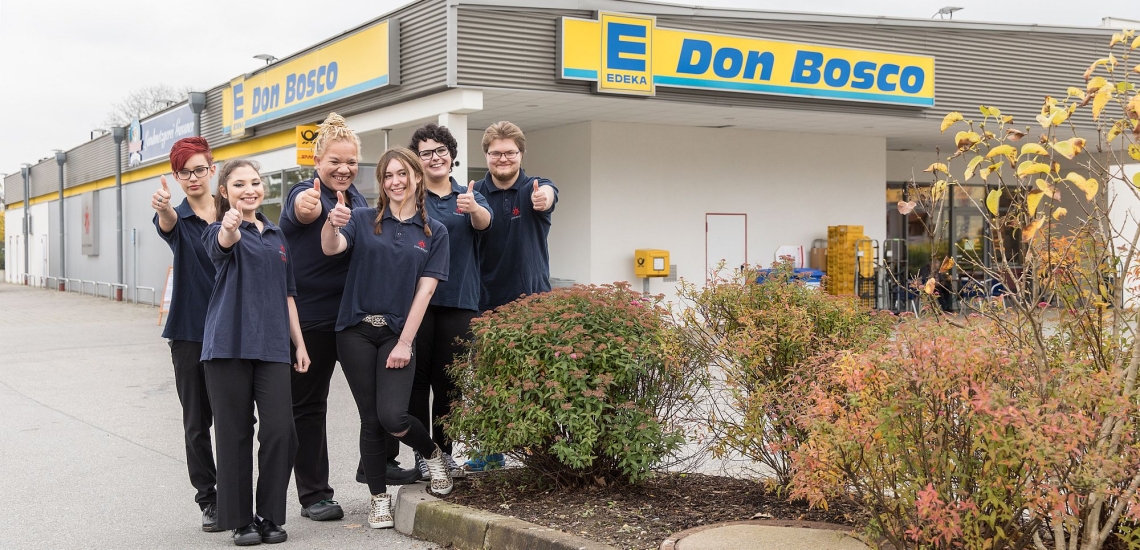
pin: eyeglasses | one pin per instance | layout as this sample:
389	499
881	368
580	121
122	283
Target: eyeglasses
199	172
509	155
438	151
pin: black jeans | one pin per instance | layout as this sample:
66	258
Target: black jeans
235	386
440	338
381	396
197	417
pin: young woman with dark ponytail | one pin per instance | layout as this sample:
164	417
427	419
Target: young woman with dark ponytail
398	256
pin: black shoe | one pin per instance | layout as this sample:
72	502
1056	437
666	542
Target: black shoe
248	535
323	511
399	476
271	533
210	518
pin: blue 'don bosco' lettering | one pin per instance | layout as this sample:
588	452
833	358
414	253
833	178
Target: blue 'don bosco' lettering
809	67
697	56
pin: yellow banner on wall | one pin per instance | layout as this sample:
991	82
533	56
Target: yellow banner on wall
629	54
362	61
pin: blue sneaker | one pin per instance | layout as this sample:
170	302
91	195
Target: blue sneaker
482	463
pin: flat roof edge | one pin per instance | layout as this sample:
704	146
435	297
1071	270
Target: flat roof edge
659	8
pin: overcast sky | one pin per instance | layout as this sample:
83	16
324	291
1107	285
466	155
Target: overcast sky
64	62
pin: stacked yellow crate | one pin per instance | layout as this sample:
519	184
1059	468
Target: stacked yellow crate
841	240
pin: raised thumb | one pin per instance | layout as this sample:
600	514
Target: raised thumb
340	198
535	185
471	187
317	184
165	187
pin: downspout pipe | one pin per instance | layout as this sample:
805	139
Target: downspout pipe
119	133
26	171
197	103
61	159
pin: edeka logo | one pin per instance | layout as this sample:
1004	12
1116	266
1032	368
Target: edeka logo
629	54
362	61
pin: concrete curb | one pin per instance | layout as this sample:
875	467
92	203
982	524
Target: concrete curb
426	517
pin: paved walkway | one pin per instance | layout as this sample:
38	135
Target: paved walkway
91	436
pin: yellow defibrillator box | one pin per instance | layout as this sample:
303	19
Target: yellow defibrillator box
650	263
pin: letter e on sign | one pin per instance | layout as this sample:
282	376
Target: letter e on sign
627	54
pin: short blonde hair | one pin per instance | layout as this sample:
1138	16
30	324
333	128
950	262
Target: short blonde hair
504	130
333	129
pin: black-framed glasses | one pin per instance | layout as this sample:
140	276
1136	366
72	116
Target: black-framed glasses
509	155
199	172
438	151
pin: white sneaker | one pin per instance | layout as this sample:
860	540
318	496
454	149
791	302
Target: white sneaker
441	483
380	513
456	470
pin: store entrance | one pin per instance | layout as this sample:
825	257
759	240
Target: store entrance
915	238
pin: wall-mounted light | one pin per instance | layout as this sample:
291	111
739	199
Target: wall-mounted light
948	10
266	58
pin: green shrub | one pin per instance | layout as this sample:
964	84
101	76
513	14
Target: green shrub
765	342
580	384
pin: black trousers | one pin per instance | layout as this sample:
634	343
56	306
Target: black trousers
197	417
310	409
381	396
440	338
236	385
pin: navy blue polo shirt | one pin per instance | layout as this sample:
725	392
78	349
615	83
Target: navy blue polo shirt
513	255
193	275
461	290
385	268
320	278
248	317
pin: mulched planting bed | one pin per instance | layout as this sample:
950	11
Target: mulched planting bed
637	517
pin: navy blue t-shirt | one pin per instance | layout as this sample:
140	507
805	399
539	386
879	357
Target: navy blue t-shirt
513	254
385	268
193	275
461	290
320	278
248	316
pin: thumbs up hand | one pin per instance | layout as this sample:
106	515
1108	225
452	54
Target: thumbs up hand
340	214
538	198
309	202
465	202
230	223
160	201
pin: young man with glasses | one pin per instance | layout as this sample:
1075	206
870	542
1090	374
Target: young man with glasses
513	256
192	165
447	321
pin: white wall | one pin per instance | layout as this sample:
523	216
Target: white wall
564	155
1125	215
653	184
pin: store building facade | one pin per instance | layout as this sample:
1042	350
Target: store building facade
715	134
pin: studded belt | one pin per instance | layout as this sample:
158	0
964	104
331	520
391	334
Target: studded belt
376	320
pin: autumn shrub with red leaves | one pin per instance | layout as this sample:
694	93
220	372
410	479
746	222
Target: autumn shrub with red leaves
583	385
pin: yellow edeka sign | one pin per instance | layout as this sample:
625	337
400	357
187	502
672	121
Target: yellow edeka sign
629	54
362	61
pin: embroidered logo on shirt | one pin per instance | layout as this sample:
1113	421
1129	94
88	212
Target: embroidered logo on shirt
421	246
283	253
515	212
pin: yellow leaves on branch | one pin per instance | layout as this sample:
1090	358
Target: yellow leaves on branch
1090	186
937	167
1108	62
972	166
1048	189
1030	230
1013	134
965	140
930	286
1134	151
1030	167
1033	149
1033	200
1136	179
1059	213
950	119
985	173
947	264
1006	150
1100	100
993	200
989	111
1069	148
